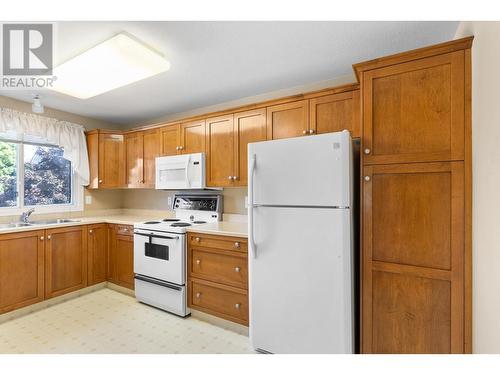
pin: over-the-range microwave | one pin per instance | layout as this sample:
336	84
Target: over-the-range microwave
180	172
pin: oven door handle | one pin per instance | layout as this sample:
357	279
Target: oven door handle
156	236
157	282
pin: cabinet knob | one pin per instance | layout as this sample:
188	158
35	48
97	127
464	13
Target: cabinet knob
304	132
197	239
367	151
100	181
311	131
198	261
367	178
198	295
235	178
237	306
42	238
91	231
237	245
230	178
49	237
181	147
236	269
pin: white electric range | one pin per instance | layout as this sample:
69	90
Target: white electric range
160	255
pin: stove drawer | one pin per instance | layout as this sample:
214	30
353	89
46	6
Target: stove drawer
218	242
223	301
165	296
229	268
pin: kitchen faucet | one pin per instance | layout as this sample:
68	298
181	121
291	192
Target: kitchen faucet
25	215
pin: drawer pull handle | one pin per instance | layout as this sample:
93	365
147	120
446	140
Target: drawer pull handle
237	306
198	261
198	295
236	269
197	239
237	245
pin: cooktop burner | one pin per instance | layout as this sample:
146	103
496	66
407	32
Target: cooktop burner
152	222
180	225
199	222
170	220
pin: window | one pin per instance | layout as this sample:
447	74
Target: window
35	176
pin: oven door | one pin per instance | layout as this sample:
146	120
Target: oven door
160	255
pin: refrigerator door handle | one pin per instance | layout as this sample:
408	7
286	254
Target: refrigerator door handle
251	241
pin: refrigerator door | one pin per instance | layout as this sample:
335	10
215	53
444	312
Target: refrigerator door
304	171
301	298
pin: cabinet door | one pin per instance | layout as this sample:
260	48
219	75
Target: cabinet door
97	253
111	258
337	112
151	150
413	258
21	269
134	159
193	137
65	260
170	140
93	153
414	112
111	161
288	120
125	261
249	126
220	151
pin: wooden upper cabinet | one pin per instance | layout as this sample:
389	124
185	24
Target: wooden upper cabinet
134	159
220	150
151	150
21	269
111	161
414	111
65	260
413	258
97	246
337	112
192	137
288	120
170	139
249	126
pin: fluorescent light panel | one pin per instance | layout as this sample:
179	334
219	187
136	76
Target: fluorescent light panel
115	63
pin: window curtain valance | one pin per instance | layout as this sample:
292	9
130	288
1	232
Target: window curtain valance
21	126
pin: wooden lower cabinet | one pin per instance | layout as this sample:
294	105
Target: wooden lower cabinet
21	269
65	260
413	258
97	246
121	255
218	276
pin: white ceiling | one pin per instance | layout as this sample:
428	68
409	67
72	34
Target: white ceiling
215	62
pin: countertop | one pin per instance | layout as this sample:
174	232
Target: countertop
223	228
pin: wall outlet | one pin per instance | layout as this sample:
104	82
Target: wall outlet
88	199
169	201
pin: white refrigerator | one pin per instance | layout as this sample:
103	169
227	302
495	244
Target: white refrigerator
301	245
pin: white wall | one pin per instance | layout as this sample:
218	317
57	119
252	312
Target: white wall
486	182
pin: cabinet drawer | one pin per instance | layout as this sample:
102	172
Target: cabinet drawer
218	242
219	267
225	302
126	230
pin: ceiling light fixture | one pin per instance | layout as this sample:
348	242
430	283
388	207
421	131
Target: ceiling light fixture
37	106
114	63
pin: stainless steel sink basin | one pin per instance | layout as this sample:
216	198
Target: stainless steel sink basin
15	225
54	221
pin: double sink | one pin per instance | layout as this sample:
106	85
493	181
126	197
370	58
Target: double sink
37	222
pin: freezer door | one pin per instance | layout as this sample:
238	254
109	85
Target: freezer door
304	171
301	298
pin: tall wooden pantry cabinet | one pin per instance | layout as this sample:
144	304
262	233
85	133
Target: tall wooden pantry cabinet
416	197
